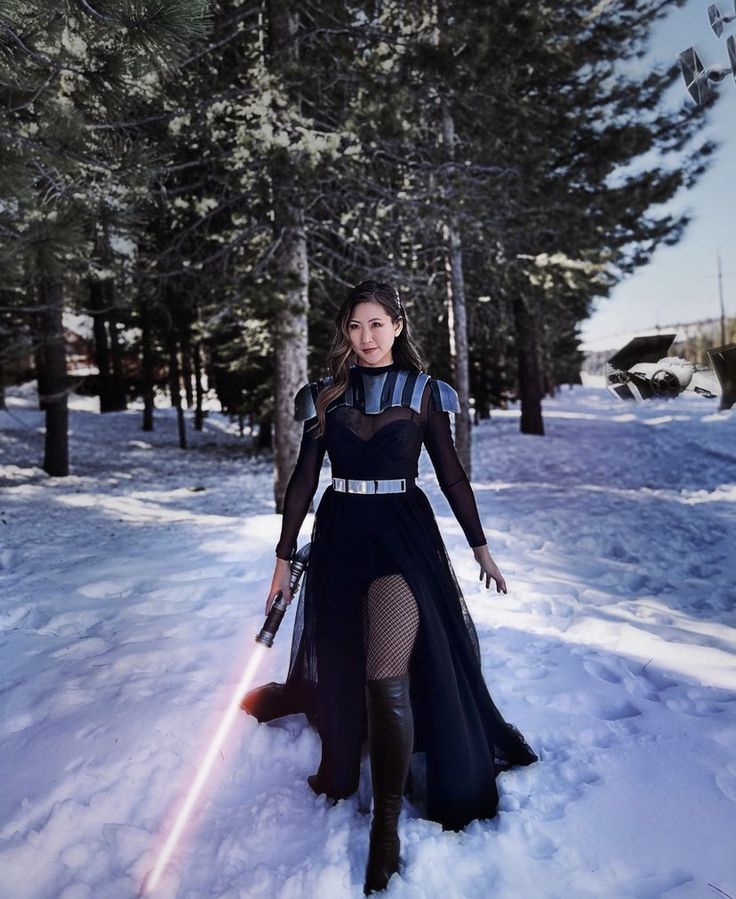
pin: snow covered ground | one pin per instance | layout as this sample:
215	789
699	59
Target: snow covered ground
132	590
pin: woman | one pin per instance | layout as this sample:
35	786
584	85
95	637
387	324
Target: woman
383	642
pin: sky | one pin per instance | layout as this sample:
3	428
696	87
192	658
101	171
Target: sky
680	283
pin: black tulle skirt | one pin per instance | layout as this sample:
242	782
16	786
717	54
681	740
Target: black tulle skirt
461	739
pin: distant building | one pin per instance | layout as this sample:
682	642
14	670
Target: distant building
19	365
80	345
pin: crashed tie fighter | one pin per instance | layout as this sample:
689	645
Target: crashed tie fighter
641	370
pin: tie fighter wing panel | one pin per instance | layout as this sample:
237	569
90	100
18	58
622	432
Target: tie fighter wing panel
693	73
731	47
716	19
642	349
622	391
641	387
723	362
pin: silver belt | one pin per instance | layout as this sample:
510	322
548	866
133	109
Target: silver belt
349	485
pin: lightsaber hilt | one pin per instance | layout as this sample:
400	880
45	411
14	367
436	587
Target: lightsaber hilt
278	608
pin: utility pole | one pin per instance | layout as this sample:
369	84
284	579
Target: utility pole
720	295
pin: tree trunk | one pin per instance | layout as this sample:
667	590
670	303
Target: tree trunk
118	398
482	403
264	440
186	365
530	377
51	358
290	344
198	388
550	386
457	322
102	347
42	386
547	362
107	350
457	318
147	367
291	271
175	390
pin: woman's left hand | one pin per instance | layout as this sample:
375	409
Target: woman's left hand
489	569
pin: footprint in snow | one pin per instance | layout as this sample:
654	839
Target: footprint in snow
602	671
541	607
71	623
602	707
12	618
640	681
538	845
633	581
90	732
577	773
82	649
600	736
18	723
531	672
702	702
658	679
595	597
652	886
642	688
726	781
197	573
552	806
101	589
24	617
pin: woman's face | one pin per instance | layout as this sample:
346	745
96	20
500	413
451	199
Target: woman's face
372	334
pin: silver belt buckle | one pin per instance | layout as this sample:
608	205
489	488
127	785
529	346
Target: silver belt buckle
366	488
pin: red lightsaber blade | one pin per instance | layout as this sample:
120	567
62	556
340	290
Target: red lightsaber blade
264	640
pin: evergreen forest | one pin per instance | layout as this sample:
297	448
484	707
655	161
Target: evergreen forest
206	180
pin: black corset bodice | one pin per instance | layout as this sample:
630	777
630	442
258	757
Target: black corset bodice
386	445
381	445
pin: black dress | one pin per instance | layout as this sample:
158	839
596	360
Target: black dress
461	739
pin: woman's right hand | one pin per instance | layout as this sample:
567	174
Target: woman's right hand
281	581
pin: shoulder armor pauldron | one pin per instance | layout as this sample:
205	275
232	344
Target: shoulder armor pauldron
445	397
306	399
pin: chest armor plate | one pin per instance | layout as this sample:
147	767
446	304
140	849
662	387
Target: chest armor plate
372	394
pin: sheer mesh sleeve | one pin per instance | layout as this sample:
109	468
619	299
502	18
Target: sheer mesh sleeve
301	488
451	474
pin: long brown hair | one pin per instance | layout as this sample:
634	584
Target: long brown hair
405	352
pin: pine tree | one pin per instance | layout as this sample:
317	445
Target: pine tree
549	127
65	71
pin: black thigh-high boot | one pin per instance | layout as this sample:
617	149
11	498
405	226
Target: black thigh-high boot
390	742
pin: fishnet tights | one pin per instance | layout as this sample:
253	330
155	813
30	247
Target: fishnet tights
390	625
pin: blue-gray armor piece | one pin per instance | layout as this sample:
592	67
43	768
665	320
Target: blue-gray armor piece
372	394
304	401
